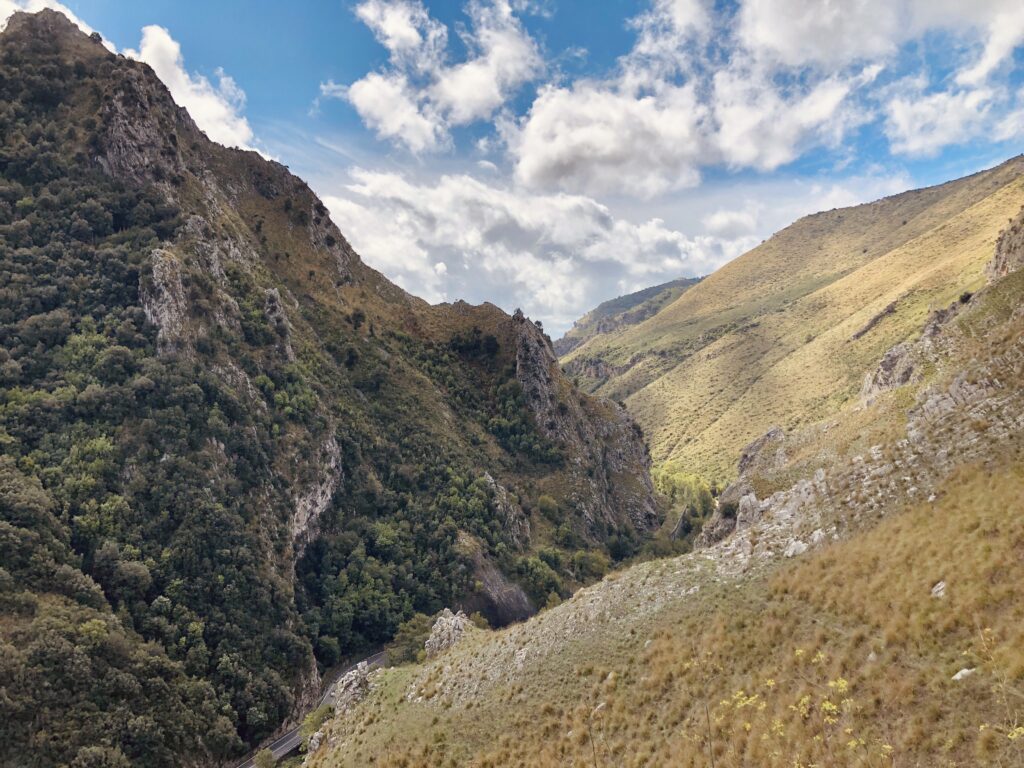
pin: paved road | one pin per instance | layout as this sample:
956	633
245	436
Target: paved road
291	740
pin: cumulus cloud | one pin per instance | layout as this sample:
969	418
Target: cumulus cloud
217	109
758	87
419	96
390	106
604	139
922	125
1011	126
553	254
799	32
732	223
809	32
405	28
760	126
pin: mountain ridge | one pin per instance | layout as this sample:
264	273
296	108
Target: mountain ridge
750	346
616	313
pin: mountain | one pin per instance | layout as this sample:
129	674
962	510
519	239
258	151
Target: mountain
856	600
620	312
233	454
782	335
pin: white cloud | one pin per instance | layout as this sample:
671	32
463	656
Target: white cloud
389	106
1006	32
799	32
217	109
505	58
758	126
406	30
597	138
732	223
1012	125
555	255
922	125
829	33
419	97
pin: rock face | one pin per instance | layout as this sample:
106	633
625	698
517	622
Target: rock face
1009	255
756	449
895	370
311	502
509	512
163	301
351	688
499	599
448	629
609	441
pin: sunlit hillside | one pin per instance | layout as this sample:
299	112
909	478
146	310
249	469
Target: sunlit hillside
783	334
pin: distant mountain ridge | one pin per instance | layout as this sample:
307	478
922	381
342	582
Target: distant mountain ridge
622	311
782	334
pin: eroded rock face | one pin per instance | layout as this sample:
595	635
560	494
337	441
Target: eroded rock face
896	369
350	688
756	449
275	312
593	432
511	515
163	301
449	629
311	502
141	141
1009	255
501	600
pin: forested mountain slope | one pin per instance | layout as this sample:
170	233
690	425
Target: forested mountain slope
783	334
231	450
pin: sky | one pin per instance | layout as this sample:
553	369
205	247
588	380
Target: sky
552	154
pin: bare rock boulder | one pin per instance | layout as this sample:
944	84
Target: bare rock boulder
449	629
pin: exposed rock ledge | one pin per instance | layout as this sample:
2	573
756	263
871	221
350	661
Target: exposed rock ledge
312	502
448	629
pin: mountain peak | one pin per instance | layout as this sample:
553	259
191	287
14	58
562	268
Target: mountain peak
53	29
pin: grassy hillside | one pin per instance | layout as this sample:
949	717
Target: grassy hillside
783	334
866	613
843	659
622	311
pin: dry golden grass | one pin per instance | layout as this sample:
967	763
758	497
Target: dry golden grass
841	659
767	340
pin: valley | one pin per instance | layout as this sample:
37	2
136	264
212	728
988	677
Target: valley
260	505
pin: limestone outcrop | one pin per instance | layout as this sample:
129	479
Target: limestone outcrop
448	629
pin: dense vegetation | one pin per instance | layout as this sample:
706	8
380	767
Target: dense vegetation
132	585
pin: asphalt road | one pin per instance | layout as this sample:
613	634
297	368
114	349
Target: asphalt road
291	740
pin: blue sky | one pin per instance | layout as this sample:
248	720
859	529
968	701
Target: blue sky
551	154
